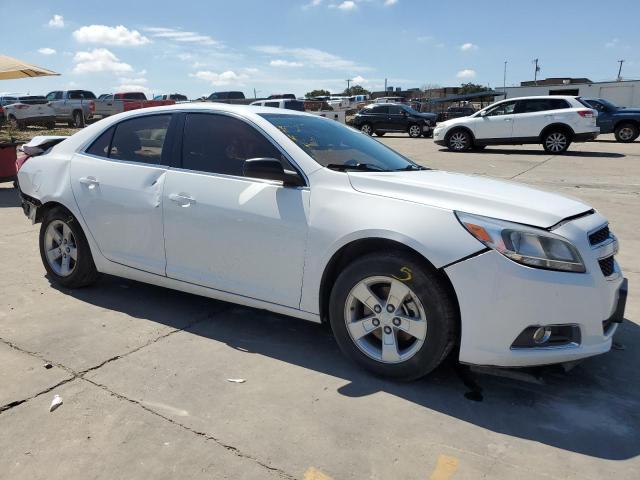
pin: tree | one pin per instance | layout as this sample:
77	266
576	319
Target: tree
317	93
471	88
356	90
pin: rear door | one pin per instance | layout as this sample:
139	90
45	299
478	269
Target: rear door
226	231
534	114
397	119
118	182
496	124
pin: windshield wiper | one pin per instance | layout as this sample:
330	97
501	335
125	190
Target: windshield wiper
411	167
365	167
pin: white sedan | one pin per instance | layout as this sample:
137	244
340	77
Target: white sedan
303	216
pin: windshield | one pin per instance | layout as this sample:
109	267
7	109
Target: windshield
337	146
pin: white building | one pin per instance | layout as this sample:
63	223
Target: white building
625	93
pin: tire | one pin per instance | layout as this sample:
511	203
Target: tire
479	147
426	293
414	131
556	141
50	125
627	132
80	272
379	133
459	140
78	119
15	123
366	128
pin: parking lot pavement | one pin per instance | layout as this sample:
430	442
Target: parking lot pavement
143	373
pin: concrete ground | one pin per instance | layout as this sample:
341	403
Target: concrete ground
143	372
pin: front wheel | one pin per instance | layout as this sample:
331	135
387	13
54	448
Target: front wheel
65	251
459	141
78	119
415	131
627	132
556	141
392	315
366	129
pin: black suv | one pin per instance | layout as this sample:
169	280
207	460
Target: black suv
380	118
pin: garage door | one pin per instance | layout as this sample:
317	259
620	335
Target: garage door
620	95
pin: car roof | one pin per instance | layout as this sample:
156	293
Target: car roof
543	97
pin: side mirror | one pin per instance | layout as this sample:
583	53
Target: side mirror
271	169
483	113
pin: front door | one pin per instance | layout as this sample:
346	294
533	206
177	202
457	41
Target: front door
496	124
117	183
229	232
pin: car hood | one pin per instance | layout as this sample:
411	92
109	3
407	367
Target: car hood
472	194
635	111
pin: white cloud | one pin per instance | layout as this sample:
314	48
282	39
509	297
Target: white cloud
312	57
119	35
347	5
468	47
57	21
613	43
285	63
123	87
311	4
466	74
133	81
99	60
47	51
181	36
388	3
218	79
359	80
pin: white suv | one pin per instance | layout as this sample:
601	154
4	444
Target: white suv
554	121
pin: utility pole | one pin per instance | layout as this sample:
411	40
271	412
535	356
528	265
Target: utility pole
535	73
255	94
504	80
348	82
385	84
620	70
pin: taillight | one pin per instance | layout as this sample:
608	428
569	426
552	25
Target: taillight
92	106
586	113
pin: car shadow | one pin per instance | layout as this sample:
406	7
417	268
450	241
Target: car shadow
541	152
592	409
8	196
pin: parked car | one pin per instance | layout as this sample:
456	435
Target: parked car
389	100
21	110
278	96
122	102
300	215
282	103
178	97
623	122
225	96
457	112
394	117
74	107
553	121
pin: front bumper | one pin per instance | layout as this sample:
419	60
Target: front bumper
499	299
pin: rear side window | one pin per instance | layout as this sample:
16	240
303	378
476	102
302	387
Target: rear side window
272	104
140	139
379	109
80	94
395	110
220	144
541	105
294	105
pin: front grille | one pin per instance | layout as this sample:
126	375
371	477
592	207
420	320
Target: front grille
599	236
606	265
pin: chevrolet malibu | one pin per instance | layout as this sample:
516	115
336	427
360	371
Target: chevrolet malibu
303	216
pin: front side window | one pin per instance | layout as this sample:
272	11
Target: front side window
505	108
395	110
272	104
220	144
337	146
140	139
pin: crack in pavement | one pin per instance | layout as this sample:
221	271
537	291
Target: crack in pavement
531	168
235	450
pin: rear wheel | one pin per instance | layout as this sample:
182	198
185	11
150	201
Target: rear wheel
15	123
556	141
78	119
415	131
392	316
627	132
367	129
65	251
459	141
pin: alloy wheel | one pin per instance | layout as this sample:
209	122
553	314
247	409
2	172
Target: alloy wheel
61	248
366	129
556	142
458	141
415	131
385	319
626	133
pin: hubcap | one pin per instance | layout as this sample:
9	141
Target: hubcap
626	133
414	131
366	129
60	248
556	142
385	319
458	141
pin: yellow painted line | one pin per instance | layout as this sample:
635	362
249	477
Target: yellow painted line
313	473
445	468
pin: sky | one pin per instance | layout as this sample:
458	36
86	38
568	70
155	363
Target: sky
294	46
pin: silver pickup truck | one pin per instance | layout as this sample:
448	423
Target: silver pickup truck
110	104
75	107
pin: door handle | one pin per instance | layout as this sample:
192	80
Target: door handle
182	199
91	182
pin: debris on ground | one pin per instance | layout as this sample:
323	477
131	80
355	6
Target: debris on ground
236	380
55	403
48	365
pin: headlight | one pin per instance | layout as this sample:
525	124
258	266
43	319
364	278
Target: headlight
526	245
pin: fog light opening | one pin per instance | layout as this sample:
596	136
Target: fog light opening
541	335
